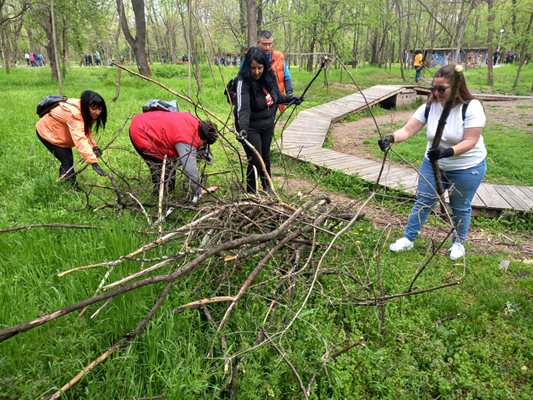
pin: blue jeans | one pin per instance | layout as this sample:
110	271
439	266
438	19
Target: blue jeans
418	72
462	186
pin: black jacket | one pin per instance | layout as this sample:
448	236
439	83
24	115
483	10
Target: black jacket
251	105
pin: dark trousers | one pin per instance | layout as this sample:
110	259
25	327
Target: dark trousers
260	135
65	157
156	167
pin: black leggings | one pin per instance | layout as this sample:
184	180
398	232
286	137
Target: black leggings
260	136
65	157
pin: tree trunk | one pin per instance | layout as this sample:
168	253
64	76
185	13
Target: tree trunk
5	52
310	61
490	34
54	46
137	44
252	23
523	51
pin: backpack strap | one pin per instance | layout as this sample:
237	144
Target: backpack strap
463	110
426	111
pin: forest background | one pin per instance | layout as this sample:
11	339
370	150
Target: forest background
377	32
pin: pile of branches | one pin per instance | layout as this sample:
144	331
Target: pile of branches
256	248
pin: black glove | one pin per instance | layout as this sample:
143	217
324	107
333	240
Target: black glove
98	169
205	154
385	142
97	151
438	153
297	100
242	135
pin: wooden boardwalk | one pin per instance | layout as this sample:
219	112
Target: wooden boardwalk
304	137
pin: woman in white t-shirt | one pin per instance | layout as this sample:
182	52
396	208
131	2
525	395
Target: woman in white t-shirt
461	156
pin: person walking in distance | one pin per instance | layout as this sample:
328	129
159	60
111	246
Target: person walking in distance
418	64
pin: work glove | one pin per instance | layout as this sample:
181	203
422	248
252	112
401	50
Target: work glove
297	100
385	142
242	135
97	151
98	169
204	153
438	153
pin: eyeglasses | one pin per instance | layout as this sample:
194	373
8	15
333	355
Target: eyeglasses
440	89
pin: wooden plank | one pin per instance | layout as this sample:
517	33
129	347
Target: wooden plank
527	190
519	191
491	197
515	201
357	164
478	202
370	173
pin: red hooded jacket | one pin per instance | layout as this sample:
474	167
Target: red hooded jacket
156	133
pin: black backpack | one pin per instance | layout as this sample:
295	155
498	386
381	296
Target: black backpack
230	91
463	110
48	103
160	105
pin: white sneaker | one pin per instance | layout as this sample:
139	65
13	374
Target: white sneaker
401	245
457	251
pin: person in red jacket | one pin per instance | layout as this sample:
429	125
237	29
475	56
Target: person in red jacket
70	125
177	135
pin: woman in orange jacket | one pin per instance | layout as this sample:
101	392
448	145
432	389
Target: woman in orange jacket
68	125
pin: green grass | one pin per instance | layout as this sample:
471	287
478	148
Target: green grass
468	341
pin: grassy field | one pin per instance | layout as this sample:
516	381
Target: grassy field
471	341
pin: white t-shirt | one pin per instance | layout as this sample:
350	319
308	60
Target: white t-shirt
454	131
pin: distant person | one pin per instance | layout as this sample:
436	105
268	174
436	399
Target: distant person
27	58
32	59
70	125
461	156
97	58
418	64
177	135
277	62
495	57
255	108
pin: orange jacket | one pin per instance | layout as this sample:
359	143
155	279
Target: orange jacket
277	64
63	126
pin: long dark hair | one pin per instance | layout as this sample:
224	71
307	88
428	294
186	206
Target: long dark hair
268	79
463	94
89	98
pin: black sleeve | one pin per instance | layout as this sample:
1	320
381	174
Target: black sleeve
242	106
281	98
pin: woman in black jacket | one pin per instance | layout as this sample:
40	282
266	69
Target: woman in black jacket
256	103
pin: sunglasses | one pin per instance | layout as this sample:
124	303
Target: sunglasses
440	89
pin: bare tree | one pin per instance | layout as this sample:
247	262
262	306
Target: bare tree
137	43
490	34
252	23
